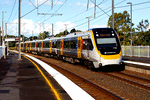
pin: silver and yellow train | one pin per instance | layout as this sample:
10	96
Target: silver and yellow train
95	48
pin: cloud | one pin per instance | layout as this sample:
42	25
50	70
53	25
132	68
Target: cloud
58	2
85	4
7	2
39	2
98	26
28	26
60	26
46	2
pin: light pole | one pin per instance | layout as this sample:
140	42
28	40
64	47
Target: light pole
3	42
66	28
19	29
113	14
131	20
2	25
89	22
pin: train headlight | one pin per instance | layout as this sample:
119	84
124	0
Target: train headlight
100	64
121	63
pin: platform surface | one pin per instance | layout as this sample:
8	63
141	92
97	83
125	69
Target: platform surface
21	80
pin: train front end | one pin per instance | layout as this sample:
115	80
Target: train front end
107	47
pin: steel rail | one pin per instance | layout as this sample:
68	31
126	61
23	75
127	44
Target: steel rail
126	80
114	96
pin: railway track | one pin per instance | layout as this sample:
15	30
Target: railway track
134	80
93	85
105	94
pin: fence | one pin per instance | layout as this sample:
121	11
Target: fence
137	51
1	51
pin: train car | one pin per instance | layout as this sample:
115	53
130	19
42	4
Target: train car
106	47
95	48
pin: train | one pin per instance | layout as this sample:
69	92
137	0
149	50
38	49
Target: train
95	48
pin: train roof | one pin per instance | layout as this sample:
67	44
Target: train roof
100	28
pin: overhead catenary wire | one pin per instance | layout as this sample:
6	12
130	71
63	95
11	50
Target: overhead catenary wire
55	11
33	9
110	7
133	4
90	15
49	10
91	9
115	8
83	12
12	11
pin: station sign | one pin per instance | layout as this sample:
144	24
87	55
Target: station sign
13	39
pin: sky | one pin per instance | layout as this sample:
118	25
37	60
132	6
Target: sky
66	14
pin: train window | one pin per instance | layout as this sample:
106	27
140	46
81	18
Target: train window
67	44
58	44
87	44
33	44
106	40
73	44
37	44
46	44
28	44
21	45
54	44
40	44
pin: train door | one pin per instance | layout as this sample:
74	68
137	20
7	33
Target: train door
26	46
23	47
30	46
41	46
51	44
35	45
79	47
62	46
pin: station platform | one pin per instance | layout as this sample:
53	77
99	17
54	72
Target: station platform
21	80
136	59
32	79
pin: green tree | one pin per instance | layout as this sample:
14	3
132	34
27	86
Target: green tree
142	36
66	32
43	35
62	33
73	30
122	24
143	25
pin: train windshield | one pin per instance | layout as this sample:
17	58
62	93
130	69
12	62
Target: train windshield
107	41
